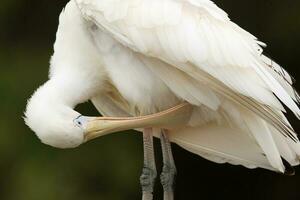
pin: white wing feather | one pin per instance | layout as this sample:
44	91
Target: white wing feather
264	138
180	31
196	42
222	144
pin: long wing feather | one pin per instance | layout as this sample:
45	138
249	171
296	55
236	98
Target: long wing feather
190	32
282	76
264	138
221	144
196	38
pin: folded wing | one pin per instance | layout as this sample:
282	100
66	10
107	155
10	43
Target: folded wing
196	42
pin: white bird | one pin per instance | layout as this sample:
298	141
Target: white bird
176	69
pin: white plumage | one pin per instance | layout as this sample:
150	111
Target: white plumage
139	57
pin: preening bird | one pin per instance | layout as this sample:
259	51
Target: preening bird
175	69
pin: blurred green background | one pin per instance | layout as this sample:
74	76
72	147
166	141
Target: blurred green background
109	168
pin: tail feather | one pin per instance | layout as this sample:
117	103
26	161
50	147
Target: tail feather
222	144
286	151
264	138
262	146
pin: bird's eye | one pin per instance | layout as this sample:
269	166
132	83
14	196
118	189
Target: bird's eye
78	121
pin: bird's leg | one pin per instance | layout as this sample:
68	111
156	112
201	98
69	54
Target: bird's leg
149	173
169	171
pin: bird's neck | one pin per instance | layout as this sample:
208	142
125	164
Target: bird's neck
54	96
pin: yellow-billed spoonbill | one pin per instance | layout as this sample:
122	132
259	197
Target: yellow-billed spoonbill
176	69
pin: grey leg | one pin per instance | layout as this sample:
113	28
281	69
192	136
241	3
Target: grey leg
149	173
169	171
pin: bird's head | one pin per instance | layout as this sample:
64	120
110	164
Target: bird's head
52	122
62	127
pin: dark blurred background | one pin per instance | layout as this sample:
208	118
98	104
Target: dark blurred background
109	167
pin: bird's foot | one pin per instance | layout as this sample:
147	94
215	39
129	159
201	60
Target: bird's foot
147	181
167	179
